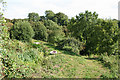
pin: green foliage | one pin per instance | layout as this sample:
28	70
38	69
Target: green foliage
3	37
71	44
99	35
67	66
22	31
65	30
41	48
20	59
81	25
42	18
33	17
62	19
40	31
16	20
55	36
31	55
49	24
55	32
49	14
108	41
112	63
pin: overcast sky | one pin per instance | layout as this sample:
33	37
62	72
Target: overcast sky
21	8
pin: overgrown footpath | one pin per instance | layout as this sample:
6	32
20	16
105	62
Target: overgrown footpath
23	57
66	64
33	60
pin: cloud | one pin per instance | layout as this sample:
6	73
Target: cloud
21	8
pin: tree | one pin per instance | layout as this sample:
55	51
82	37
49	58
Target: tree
42	18
55	32
49	14
33	17
84	28
40	31
62	19
109	41
99	35
22	31
83	24
55	35
16	20
59	18
51	25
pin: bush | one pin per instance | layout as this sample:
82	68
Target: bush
41	48
71	44
19	60
22	31
40	31
21	65
110	62
4	37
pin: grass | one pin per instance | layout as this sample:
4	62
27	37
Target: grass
69	65
34	60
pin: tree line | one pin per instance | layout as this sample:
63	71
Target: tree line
84	34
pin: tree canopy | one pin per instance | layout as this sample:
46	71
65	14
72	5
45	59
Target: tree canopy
33	17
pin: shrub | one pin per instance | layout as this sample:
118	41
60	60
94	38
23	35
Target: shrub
110	62
71	44
41	48
20	60
21	65
40	31
3	38
22	31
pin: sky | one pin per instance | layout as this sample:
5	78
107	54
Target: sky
20	8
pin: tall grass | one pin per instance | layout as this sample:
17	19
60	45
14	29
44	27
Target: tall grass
110	62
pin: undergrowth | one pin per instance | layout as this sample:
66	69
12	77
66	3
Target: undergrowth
20	59
110	62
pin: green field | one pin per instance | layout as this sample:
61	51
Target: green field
69	65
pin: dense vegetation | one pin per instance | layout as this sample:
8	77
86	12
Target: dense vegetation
80	41
22	31
98	35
